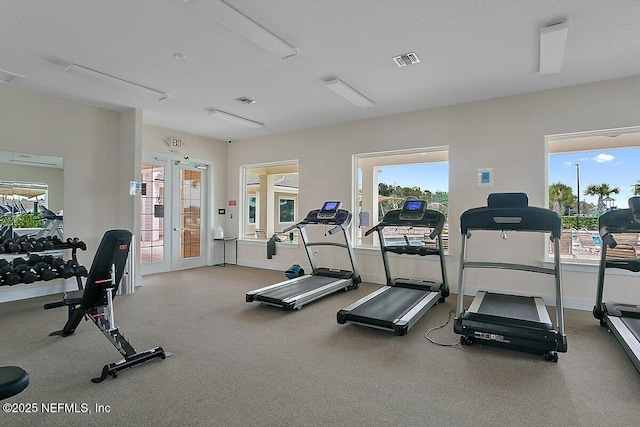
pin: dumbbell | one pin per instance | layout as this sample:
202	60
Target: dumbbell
5	268
18	261
68	270
47	244
77	243
43	270
10	246
34	259
25	273
26	245
8	275
57	265
81	271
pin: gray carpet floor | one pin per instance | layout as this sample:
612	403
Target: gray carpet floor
239	364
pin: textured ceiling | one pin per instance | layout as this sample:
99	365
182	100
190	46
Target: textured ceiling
469	50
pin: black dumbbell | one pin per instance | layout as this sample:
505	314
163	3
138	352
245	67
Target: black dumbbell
26	246
10	246
12	279
34	259
18	261
43	270
68	269
27	276
47	245
81	271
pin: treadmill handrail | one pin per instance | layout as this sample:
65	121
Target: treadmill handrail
342	219
431	219
528	218
618	221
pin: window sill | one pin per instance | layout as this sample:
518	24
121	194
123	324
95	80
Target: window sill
587	267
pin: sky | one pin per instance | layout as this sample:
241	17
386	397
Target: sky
428	176
616	167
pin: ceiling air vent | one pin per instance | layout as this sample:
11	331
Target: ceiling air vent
406	59
245	100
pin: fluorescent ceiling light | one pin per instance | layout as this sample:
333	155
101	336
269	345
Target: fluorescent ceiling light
349	94
235	21
552	41
7	77
115	81
236	119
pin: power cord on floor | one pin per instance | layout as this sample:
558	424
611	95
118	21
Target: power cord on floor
440	327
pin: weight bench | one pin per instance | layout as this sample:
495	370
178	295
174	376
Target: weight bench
12	381
95	302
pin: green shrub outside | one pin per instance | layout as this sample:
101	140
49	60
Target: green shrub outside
590	223
26	220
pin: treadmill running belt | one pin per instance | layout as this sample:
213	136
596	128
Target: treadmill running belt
512	306
390	305
633	325
294	289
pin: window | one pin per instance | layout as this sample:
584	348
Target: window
384	180
270	195
251	204
590	174
287	211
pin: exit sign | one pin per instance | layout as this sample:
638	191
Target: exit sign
177	143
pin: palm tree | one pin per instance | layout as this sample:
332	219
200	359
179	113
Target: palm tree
560	196
636	189
602	191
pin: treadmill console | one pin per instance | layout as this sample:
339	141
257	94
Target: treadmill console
413	210
329	210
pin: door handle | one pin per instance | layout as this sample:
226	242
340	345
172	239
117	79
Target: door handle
177	229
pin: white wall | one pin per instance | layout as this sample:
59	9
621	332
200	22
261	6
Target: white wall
96	179
506	134
206	150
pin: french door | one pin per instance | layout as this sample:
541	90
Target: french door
173	215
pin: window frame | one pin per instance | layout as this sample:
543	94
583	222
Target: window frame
244	223
355	190
583	144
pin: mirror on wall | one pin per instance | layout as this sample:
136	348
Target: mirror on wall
31	194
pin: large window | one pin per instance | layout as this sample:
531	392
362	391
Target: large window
590	174
270	199
384	180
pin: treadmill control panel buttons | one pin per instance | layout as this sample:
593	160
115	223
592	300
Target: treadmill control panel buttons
413	210
329	210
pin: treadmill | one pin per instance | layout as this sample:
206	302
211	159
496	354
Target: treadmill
402	302
520	323
622	319
294	293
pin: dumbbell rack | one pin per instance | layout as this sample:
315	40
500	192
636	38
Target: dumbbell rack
57	249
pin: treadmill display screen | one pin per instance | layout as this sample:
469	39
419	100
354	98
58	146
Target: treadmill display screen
329	210
413	210
413	205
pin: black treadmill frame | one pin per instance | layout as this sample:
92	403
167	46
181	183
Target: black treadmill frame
610	313
510	212
435	292
345	279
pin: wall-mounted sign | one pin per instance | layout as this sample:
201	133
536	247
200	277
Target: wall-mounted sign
232	203
485	177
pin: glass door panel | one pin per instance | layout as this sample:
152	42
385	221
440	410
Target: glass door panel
152	219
